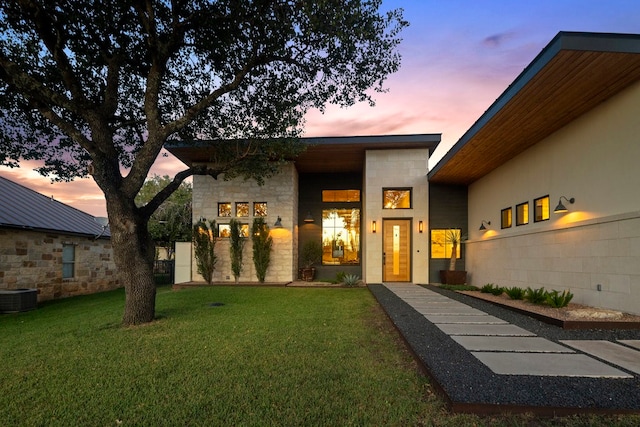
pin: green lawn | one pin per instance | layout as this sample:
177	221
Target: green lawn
268	356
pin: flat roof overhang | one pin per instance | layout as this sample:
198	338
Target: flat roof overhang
572	75
324	154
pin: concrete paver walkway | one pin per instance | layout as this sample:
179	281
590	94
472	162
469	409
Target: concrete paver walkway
515	354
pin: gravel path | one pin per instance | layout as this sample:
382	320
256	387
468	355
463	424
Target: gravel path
470	386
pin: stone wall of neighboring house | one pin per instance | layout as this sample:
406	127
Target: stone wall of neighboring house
31	259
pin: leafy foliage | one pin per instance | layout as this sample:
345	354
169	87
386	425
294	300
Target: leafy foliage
236	246
515	292
311	253
171	222
459	287
490	288
535	296
204	243
558	300
262	243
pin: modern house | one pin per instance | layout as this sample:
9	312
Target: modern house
52	247
563	134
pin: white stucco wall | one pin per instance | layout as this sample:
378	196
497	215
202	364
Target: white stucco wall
594	159
401	169
281	195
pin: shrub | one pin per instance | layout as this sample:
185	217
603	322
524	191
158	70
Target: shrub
262	243
558	300
350	280
490	288
514	292
236	246
340	276
204	242
535	296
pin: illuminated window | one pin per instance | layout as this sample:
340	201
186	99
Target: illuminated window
441	242
68	261
340	195
522	213
224	209
506	218
541	206
260	209
224	230
242	209
396	198
341	236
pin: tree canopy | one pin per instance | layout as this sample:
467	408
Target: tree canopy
98	87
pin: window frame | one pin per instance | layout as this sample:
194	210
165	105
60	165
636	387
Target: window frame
222	209
535	209
68	263
509	210
407	189
441	240
525	220
238	204
255	211
338	252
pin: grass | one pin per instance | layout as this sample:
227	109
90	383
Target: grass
267	356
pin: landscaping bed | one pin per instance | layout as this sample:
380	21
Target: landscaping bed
573	316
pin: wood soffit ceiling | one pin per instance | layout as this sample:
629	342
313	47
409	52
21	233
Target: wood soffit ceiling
329	154
568	85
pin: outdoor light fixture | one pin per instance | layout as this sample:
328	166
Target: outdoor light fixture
373	226
309	219
561	208
482	225
278	223
420	227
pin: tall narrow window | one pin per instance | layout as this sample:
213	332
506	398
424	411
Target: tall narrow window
522	213
396	198
341	236
68	261
541	206
506	218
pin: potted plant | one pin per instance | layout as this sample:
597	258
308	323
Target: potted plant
311	254
452	276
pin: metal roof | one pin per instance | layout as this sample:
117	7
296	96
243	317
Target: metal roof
574	73
23	208
323	154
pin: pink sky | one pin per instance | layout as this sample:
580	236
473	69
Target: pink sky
458	57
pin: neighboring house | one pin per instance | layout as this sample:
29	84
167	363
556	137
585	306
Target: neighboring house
51	246
565	132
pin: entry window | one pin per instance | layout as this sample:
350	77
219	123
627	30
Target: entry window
541	209
506	218
68	261
441	242
396	198
340	195
341	236
522	213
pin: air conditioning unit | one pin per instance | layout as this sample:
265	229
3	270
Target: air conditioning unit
16	300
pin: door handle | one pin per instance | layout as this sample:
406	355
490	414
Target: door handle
384	258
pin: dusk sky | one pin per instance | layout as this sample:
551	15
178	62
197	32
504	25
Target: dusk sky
458	56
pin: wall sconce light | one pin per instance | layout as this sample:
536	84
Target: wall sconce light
278	223
420	227
309	219
373	226
561	208
482	225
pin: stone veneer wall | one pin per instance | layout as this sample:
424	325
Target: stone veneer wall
31	259
281	195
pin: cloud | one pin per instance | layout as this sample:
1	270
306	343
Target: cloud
497	40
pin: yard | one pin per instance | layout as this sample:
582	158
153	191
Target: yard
221	356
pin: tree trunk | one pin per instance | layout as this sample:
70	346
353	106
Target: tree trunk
454	252
133	252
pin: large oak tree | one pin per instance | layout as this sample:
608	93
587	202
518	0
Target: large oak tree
97	87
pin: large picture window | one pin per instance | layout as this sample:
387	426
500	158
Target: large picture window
341	236
441	242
